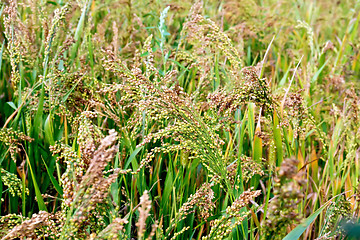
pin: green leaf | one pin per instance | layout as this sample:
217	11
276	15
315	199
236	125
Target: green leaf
300	229
251	120
3	44
53	180
37	127
277	139
39	197
257	149
12	105
79	29
48	130
317	74
283	79
132	157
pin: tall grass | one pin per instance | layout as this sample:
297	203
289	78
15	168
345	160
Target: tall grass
179	120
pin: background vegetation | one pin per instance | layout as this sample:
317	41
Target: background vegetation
179	119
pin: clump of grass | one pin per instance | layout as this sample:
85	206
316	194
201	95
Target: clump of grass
153	120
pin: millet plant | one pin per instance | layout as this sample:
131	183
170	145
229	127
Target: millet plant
179	119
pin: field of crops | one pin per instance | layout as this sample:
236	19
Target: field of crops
181	120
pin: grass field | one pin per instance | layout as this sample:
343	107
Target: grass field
155	119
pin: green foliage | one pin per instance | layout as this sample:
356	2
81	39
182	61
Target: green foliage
179	120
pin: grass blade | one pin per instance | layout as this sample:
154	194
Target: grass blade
300	229
39	198
53	180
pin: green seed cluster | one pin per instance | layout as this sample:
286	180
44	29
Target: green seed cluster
249	89
9	221
75	168
249	168
13	139
13	183
222	227
201	200
172	105
339	212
